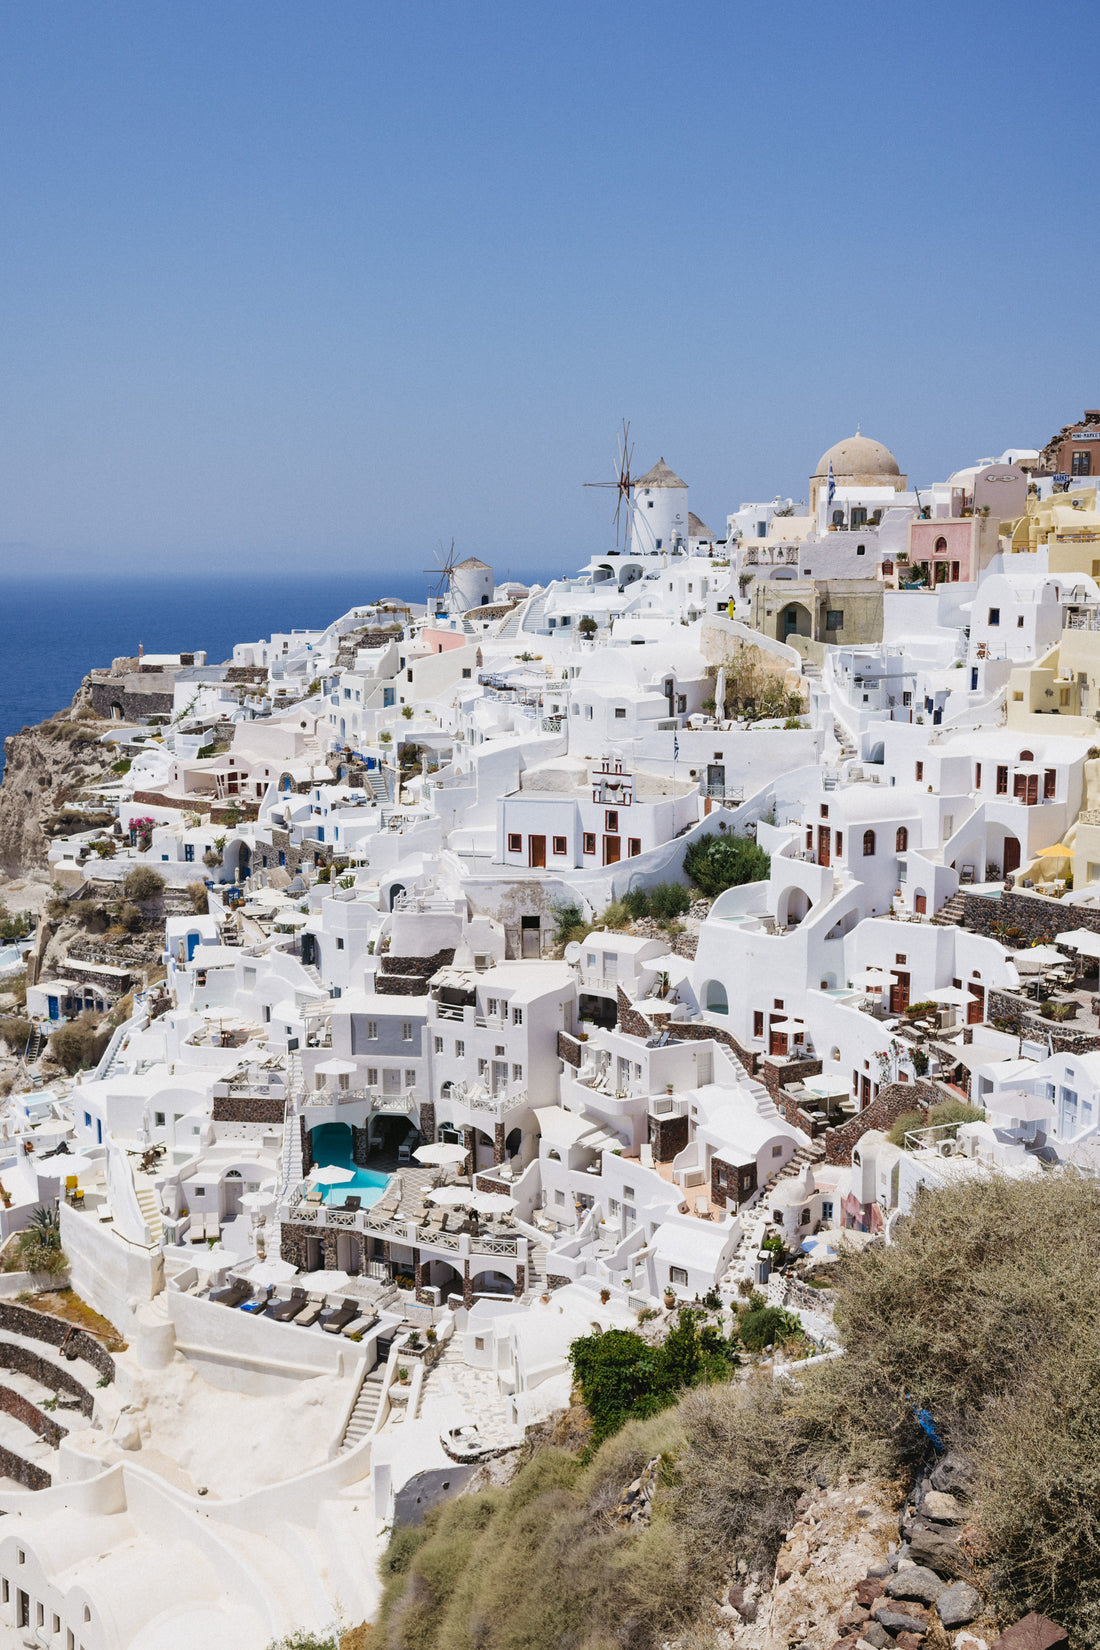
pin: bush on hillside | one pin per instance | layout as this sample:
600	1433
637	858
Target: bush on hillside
15	1030
622	1377
715	863
143	883
664	901
79	1045
196	893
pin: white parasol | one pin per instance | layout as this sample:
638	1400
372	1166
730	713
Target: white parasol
336	1068
492	1203
272	1270
330	1282
451	1197
442	1155
330	1174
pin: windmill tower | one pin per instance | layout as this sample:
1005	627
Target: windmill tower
442	576
624	484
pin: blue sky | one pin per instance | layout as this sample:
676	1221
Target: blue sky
322	284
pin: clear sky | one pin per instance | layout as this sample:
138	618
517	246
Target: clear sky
324	283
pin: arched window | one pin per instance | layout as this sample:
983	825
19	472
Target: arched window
868	844
901	842
940	548
1027	756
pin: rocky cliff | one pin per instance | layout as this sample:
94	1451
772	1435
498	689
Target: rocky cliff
46	768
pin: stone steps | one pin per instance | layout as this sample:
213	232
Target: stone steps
364	1414
951	913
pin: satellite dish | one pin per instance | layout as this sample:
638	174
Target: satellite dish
572	952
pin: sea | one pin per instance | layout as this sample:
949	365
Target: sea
52	634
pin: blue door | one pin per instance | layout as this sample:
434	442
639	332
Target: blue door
99	1131
192	942
53	1007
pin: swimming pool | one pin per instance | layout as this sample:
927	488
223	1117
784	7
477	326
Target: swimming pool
331	1143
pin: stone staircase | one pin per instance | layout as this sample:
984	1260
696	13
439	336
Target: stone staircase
532	614
755	1216
291	1170
36	1045
378	784
535	1283
150	1208
951	913
365	1410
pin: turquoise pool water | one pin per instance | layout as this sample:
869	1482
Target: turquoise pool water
331	1143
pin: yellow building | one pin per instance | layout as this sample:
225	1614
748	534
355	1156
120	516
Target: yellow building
1067	526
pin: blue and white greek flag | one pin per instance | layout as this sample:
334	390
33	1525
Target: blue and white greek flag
832	483
675	747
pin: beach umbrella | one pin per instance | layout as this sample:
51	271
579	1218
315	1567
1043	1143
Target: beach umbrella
720	694
330	1174
330	1282
492	1203
1082	940
442	1155
336	1068
871	979
450	1197
824	1086
950	995
272	1270
257	1200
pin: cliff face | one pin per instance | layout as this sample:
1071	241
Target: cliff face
45	768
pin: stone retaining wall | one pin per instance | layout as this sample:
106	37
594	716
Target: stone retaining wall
890	1103
26	1362
256	1108
29	1415
39	1326
1036	917
23	1472
569	1050
1020	1015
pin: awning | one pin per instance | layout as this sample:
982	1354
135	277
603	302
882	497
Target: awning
1081	939
599	1139
970	1055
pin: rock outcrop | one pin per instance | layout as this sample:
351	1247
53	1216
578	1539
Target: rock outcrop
45	767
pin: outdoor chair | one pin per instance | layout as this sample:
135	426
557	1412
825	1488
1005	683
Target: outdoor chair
197	1229
353	1203
283	1311
233	1295
702	1208
360	1325
314	1195
259	1299
314	1307
338	1322
213	1228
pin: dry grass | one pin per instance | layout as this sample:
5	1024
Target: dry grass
986	1313
67	1305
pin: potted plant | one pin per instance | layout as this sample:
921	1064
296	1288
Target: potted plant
670	1297
605	1296
403	1375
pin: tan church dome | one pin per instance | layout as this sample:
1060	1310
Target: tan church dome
859	456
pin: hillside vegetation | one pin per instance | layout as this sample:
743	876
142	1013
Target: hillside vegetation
985	1313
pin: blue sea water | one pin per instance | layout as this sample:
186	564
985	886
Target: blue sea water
52	634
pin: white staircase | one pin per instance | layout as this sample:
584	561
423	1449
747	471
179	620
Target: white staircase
291	1169
150	1208
365	1411
532	614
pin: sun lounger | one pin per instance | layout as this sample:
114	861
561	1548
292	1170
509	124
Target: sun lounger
313	1310
360	1325
259	1299
233	1295
213	1229
197	1229
645	1156
702	1208
345	1312
353	1202
284	1310
314	1195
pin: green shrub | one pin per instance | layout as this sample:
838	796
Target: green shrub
715	863
903	1125
569	923
616	915
768	1326
621	1376
143	883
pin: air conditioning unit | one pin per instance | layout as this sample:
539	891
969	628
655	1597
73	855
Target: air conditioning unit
482	961
947	1148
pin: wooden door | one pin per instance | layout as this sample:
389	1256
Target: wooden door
920	904
777	1042
899	993
865	1091
612	849
1011	855
536	851
823	845
975	1008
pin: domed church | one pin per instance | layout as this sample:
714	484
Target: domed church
857	461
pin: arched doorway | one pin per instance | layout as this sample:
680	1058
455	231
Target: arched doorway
715	1000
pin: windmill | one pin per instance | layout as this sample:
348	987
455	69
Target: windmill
624	487
441	573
